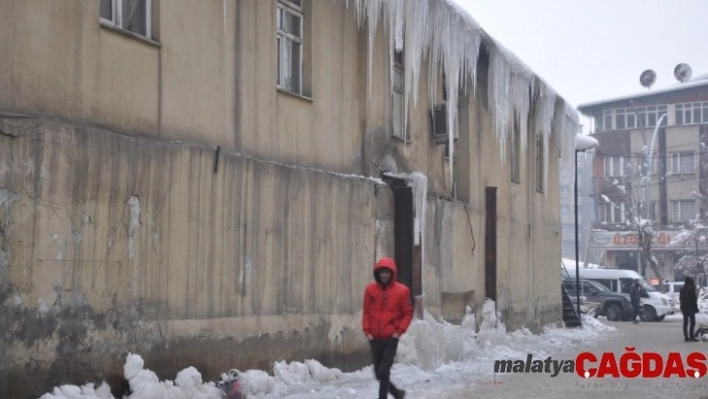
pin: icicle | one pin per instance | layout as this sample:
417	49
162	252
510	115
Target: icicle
372	10
568	133
417	35
445	34
545	112
511	85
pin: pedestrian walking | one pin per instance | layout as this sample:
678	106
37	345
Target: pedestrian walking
635	295
689	307
387	315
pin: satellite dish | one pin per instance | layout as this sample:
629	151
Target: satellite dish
647	78
683	72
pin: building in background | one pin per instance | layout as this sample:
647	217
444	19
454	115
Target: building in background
669	187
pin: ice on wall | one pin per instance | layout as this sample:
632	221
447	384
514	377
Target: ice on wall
450	39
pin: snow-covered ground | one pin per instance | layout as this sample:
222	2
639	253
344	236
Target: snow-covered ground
433	357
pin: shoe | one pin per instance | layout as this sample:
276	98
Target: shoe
401	394
686	339
635	322
693	340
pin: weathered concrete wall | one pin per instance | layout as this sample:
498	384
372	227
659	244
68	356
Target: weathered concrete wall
453	274
112	243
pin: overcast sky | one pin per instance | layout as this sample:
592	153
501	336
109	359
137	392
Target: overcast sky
590	50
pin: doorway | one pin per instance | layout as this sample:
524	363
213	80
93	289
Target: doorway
490	244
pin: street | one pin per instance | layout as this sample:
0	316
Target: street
660	337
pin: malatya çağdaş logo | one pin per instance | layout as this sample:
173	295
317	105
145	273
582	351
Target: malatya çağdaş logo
630	364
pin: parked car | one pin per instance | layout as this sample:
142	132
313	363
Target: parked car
655	305
601	301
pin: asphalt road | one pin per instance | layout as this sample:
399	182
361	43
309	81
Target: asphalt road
661	337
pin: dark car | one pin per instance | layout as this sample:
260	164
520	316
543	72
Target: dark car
605	302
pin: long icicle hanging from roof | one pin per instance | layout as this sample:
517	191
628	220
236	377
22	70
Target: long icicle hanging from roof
450	38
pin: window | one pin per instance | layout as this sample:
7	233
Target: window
654	211
619	119
654	113
607	115
625	119
683	210
646	116
691	113
598	124
540	164
682	162
130	15
289	18
612	212
614	165
609	283
398	111
516	153
626	284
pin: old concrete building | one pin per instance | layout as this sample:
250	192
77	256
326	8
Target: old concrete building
668	186
209	183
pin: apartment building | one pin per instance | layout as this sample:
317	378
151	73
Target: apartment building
667	186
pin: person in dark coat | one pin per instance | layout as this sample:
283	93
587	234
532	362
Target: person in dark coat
635	295
689	307
387	314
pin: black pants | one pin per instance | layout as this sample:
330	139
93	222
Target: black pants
637	309
383	351
686	318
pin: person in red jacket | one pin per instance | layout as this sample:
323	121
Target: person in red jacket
387	315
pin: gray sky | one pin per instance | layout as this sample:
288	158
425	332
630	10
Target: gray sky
591	50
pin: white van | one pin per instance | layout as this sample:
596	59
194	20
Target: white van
655	306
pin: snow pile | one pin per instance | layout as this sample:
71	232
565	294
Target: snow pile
596	324
296	373
431	355
255	381
144	383
84	392
430	345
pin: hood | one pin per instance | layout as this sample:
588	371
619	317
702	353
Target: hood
385	263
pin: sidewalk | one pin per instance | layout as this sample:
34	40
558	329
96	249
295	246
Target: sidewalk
660	337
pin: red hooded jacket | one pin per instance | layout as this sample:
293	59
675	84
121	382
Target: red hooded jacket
387	308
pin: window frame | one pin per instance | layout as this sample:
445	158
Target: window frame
282	38
116	20
695	113
677	210
540	164
608	212
678	163
621	119
609	160
607	118
398	122
516	153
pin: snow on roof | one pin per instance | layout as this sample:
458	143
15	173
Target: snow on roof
693	83
570	264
